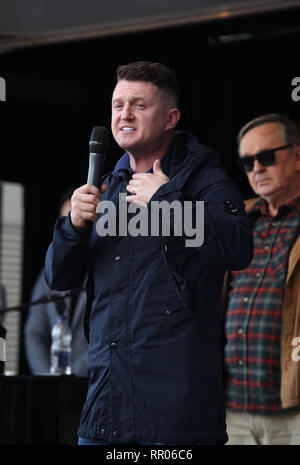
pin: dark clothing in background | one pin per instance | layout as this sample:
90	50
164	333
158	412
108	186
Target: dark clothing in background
40	321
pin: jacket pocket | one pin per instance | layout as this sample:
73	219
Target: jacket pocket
180	295
95	407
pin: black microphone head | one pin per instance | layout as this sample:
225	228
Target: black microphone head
98	148
99	139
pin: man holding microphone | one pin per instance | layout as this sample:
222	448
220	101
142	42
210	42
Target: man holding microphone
153	313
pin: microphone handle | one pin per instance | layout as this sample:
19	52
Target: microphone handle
96	167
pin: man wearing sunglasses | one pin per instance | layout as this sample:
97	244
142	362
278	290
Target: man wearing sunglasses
263	302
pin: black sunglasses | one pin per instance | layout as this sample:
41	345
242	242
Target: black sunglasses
265	158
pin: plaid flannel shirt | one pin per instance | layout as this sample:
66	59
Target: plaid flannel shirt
253	318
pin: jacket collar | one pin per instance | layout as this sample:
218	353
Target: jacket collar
259	206
182	156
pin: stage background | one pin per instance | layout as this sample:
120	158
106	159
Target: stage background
231	70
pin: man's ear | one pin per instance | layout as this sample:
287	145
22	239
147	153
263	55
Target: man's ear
174	115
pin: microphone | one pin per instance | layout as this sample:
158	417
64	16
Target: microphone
99	143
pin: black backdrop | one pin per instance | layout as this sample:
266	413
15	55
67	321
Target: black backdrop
230	71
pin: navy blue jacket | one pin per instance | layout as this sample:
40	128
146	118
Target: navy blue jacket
153	314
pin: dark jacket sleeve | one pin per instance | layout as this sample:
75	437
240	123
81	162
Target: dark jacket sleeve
228	239
67	256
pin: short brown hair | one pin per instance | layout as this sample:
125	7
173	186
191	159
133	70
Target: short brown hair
156	73
290	131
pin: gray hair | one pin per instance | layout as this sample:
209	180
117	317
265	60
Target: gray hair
289	129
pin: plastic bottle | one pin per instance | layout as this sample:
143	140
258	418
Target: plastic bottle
61	349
